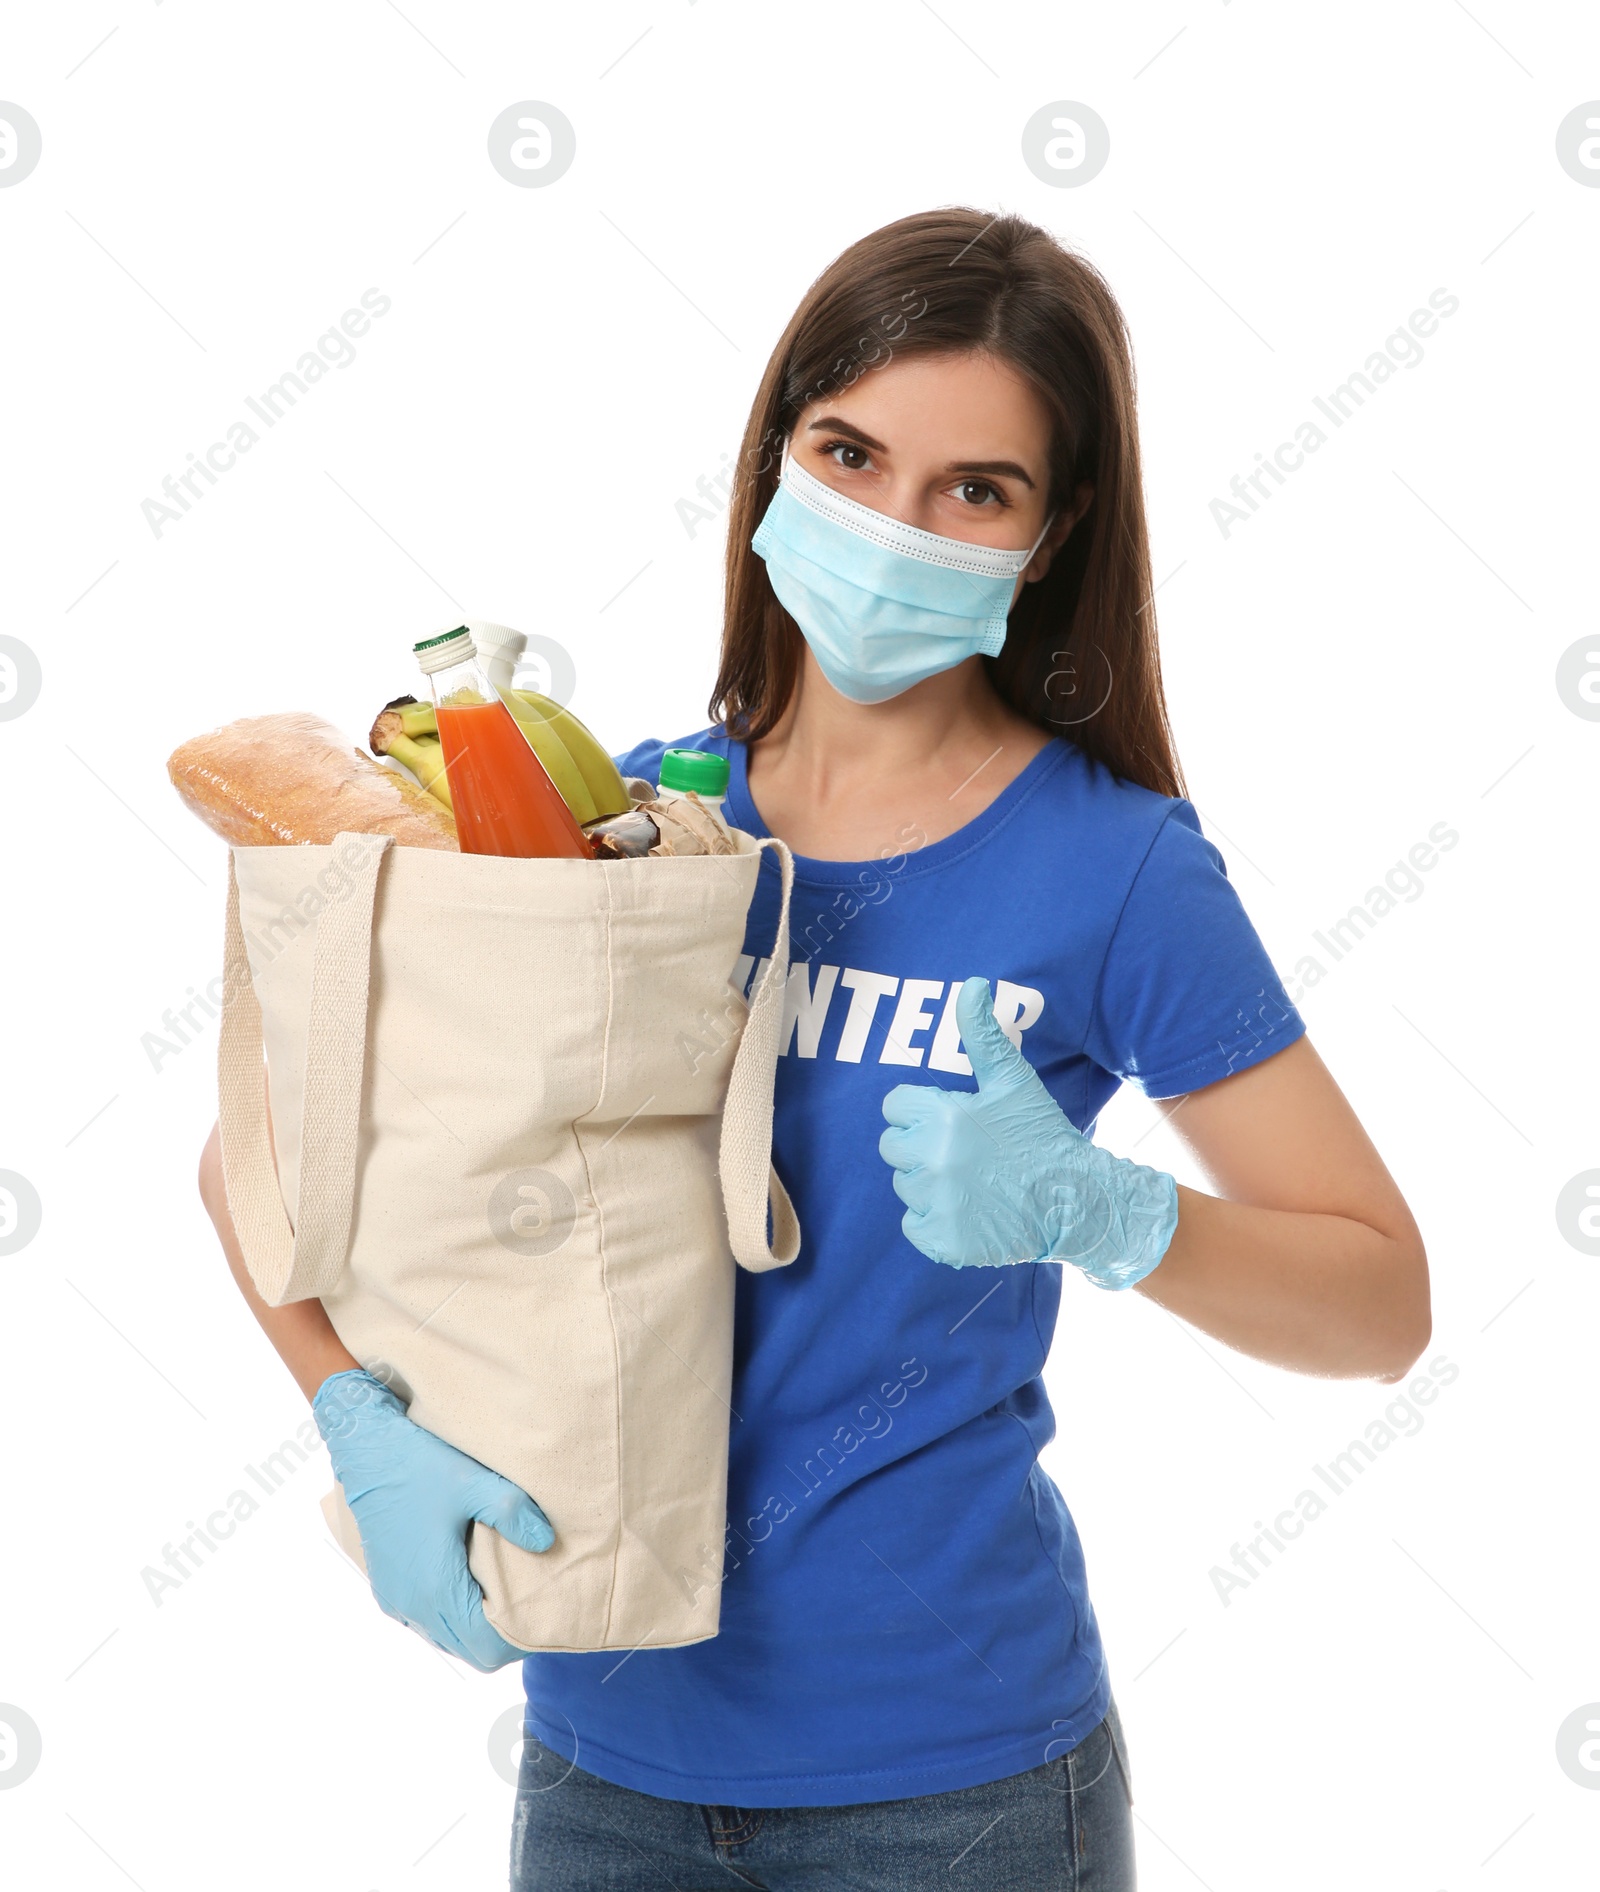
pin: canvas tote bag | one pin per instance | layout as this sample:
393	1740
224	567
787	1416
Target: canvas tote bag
522	1123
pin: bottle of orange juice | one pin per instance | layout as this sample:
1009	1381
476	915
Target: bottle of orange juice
504	801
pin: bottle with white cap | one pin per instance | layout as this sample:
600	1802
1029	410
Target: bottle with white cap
499	651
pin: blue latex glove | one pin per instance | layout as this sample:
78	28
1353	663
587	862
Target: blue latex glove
1003	1176
413	1497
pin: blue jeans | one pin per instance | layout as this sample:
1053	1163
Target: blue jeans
1064	1827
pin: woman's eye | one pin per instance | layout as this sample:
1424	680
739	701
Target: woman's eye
855	458
979	493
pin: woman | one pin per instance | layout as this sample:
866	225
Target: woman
940	686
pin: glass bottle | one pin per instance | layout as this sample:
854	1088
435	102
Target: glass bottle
505	802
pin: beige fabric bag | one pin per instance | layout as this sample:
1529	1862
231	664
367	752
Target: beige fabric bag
502	1092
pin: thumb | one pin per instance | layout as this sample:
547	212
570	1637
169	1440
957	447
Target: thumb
996	1062
505	1508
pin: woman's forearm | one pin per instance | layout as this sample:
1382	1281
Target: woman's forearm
1321	1294
300	1332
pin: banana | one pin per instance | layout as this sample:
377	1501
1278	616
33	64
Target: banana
425	759
605	784
426	762
559	763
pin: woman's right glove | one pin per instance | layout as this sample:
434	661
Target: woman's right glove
413	1497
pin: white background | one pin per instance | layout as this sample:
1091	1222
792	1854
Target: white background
1372	653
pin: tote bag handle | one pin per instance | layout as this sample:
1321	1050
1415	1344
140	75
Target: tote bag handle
293	1264
749	1182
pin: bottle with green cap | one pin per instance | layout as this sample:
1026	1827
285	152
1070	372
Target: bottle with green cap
686	770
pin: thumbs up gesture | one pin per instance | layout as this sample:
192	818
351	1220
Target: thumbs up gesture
1003	1176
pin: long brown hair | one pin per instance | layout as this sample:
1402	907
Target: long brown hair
1080	656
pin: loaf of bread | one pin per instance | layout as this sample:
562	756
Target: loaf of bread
294	779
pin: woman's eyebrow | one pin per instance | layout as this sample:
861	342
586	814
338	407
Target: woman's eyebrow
1007	468
832	424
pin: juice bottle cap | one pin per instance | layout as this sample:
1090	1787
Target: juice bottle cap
697	769
439	653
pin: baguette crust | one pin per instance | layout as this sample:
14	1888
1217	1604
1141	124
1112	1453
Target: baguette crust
295	780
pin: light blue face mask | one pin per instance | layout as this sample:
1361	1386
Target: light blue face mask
882	605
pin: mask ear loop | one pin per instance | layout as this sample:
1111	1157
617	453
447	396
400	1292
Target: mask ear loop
1040	540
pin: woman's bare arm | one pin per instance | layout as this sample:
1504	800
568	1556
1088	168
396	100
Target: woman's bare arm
1307	1255
301	1331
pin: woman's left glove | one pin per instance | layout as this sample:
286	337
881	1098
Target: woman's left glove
1003	1176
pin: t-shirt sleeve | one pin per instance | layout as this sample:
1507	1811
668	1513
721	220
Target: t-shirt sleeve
644	758
1187	992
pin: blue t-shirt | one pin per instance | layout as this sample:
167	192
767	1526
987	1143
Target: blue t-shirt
905	1607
